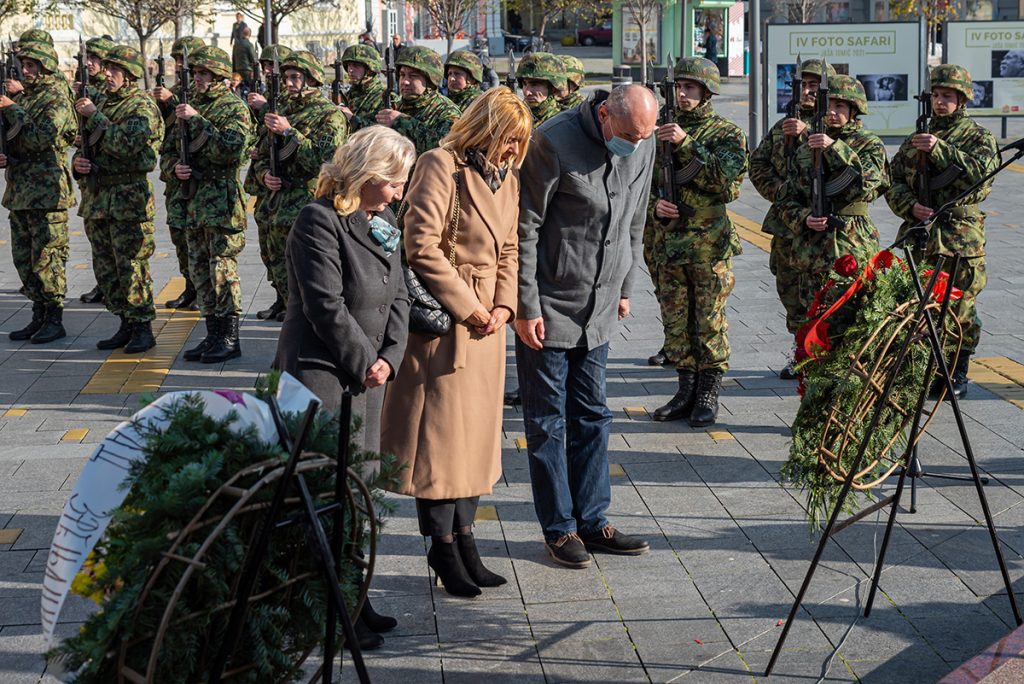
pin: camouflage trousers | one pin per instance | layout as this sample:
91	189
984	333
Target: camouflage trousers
654	253
971	279
39	245
693	301
787	282
177	219
277	241
213	265
263	234
120	262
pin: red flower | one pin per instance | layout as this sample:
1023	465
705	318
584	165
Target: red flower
846	266
942	286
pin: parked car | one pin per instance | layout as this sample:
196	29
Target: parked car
598	35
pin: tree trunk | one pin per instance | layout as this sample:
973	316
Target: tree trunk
145	64
643	44
177	27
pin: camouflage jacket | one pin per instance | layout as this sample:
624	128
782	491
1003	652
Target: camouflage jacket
251	183
857	169
97	88
465	97
40	126
710	163
544	110
769	169
428	118
318	128
221	135
571	101
365	99
971	152
124	135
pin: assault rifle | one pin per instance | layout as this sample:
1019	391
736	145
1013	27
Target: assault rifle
820	205
339	70
389	72
510	77
793	110
160	70
6	74
83	136
184	139
13	70
924	116
273	141
667	164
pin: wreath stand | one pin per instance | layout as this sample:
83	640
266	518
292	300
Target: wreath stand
923	322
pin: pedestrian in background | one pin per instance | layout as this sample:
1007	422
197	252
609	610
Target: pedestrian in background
243	57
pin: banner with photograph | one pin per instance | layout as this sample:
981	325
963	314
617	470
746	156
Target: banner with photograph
884	56
993	51
631	53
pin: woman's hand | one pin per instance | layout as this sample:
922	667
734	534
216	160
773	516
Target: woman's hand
479	318
378	374
499	317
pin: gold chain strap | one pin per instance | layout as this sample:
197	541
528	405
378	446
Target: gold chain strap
453	227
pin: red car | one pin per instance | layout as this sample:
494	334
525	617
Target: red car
599	35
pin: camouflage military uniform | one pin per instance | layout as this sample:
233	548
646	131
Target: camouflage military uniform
117	204
317	129
97	88
41	37
966	152
470	63
575	73
543	66
40	125
857	173
366	97
426	118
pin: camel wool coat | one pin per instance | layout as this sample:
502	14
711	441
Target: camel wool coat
442	414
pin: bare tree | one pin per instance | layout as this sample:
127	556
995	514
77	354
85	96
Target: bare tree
279	9
447	15
935	12
549	9
8	9
800	11
642	12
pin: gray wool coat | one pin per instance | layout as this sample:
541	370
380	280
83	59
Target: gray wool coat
581	220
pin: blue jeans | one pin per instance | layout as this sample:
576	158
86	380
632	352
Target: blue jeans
567	422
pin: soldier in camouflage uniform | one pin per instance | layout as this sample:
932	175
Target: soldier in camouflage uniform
365	96
571	97
124	135
960	152
424	115
464	73
252	185
221	133
856	173
710	158
40	126
308	129
770	166
541	77
177	211
41	37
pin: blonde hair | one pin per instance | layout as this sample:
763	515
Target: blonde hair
371	155
493	118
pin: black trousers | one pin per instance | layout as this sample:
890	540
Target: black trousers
439	517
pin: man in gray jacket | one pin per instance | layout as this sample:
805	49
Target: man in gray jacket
583	201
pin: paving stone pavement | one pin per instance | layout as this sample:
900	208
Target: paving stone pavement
729	545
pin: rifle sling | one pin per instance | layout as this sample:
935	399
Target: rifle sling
853	209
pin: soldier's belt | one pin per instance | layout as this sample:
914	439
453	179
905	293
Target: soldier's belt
110	180
853	209
708	212
216	174
965	211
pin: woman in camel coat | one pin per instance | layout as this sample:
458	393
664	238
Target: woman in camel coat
442	414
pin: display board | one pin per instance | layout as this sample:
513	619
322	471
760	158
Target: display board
993	51
885	56
630	27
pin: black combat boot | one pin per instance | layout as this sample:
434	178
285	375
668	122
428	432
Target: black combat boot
93	296
38	312
659	359
142	338
513	397
225	346
272	311
53	325
186	300
120	338
212	331
705	406
682	403
959	375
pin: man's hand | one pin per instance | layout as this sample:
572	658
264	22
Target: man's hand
817	224
377	374
161	94
276	123
794	127
346	111
256	101
499	317
85	107
924	142
3	161
82	166
185	112
819	141
387	117
5	101
14	87
671	132
531	332
921	212
623	307
666	210
273	183
182	172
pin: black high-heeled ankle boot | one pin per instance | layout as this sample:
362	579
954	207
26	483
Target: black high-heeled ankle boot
374	620
474	566
444	560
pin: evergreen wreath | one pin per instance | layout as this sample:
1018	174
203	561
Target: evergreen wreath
188	459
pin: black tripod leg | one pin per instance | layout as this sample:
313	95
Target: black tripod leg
340	485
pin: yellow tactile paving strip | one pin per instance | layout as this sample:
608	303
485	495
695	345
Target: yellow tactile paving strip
10	535
1017	167
750	231
1001	376
128	373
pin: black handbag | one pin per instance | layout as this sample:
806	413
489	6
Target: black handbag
426	315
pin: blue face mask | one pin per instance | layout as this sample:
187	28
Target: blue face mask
621	147
384	234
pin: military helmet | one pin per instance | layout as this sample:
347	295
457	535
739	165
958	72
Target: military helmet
813	67
542	66
366	55
849	89
468	61
954	77
267	55
213	59
128	58
424	60
701	70
574	69
40	52
193	44
35	36
99	46
307	63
